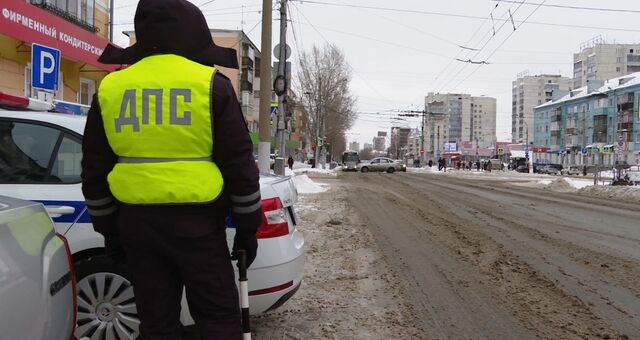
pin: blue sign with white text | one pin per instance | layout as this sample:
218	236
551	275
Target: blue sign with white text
45	67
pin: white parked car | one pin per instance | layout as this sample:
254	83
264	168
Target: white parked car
40	155
383	164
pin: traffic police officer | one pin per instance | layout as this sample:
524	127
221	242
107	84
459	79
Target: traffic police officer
167	156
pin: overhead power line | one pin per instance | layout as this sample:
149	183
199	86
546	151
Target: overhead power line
501	44
577	7
464	16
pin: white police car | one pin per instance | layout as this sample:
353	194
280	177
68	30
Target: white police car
40	154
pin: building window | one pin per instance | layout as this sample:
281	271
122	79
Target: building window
617	69
87	90
80	12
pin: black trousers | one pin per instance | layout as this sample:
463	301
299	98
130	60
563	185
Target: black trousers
171	247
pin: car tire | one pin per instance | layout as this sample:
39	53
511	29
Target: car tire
106	302
364	169
391	170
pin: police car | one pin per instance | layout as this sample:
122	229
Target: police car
40	154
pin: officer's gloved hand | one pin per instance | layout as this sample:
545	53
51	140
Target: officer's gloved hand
114	250
248	242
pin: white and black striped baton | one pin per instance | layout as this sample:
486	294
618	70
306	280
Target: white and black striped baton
244	294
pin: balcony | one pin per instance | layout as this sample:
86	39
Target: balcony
247	62
246	86
555	133
626	127
571	131
79	14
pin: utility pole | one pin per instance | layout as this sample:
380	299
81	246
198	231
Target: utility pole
111	21
281	89
318	122
264	126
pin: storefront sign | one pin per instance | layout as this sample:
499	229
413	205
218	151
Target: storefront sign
540	150
31	24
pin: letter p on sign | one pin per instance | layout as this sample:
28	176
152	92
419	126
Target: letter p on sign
45	67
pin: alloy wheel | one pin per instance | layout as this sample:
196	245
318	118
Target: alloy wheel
106	308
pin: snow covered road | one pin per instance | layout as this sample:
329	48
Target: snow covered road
485	259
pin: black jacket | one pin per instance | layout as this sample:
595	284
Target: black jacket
232	153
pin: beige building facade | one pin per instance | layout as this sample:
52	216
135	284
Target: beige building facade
78	30
528	92
598	60
458	118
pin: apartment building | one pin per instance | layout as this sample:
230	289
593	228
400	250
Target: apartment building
528	92
78	29
482	122
399	141
595	124
599	60
354	146
458	118
379	142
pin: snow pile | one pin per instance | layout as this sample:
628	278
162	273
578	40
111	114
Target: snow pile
305	185
625	193
426	169
316	172
560	185
578	183
545	182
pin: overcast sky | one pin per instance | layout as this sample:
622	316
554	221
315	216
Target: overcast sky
403	49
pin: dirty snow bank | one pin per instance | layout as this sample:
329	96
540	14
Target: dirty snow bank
625	193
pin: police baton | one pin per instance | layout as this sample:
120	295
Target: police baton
244	294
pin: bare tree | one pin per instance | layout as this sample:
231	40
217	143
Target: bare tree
365	154
322	87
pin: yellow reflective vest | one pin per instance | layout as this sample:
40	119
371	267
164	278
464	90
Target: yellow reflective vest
157	118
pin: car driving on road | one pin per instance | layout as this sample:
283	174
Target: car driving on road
381	164
37	288
40	155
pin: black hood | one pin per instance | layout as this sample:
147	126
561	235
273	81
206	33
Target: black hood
171	26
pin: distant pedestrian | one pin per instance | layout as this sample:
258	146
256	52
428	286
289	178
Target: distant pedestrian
290	162
584	170
470	165
489	166
430	163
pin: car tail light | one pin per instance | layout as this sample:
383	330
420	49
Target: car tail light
274	219
73	285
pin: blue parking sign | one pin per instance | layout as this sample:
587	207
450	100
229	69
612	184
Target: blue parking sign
585	151
45	67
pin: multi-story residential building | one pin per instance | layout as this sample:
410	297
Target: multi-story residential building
78	29
527	93
414	144
368	146
399	141
595	124
354	146
458	118
482	122
598	60
379	142
246	80
436	128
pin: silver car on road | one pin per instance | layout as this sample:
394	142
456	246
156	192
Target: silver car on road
37	295
382	164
